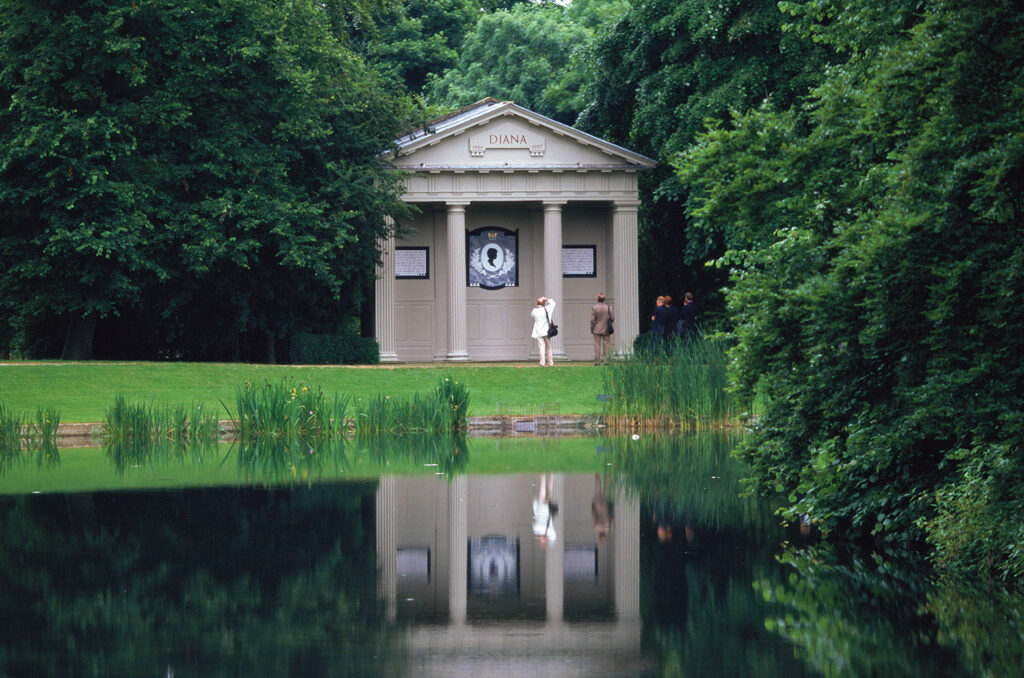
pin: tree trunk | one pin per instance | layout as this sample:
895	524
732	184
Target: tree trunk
271	348
78	342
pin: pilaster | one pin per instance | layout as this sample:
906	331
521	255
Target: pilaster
384	302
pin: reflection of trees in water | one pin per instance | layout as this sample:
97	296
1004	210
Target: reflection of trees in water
849	615
689	478
866	614
987	627
212	583
702	615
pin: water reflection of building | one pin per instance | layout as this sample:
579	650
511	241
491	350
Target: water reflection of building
513	601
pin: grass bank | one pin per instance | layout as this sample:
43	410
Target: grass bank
82	392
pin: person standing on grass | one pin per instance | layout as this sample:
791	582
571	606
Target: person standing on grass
541	315
659	317
601	318
671	318
688	317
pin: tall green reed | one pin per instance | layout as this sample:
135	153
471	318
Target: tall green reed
440	412
288	431
11	426
132	421
20	437
289	411
678	385
42	436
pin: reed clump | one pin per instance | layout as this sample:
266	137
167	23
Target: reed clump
42	435
298	411
677	385
131	421
11	425
21	437
295	431
441	412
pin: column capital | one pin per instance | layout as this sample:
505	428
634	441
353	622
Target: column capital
626	205
456	205
554	205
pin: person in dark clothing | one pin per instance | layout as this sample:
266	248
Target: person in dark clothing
672	319
688	317
659	323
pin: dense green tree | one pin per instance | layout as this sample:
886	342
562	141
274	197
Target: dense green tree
656	77
420	37
206	170
880	236
528	54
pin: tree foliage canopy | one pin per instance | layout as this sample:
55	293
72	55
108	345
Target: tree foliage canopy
199	170
656	77
422	37
531	54
879	234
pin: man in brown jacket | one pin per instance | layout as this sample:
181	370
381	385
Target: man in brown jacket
601	318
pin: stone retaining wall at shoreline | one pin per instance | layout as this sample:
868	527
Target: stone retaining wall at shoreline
88	435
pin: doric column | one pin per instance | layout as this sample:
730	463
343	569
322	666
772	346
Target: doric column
457	344
553	268
384	293
624	269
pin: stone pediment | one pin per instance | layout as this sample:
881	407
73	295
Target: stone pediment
499	135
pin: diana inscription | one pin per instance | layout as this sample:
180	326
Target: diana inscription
510	138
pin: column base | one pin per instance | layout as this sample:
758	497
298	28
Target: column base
457	358
389	358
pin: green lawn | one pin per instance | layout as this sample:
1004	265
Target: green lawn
82	392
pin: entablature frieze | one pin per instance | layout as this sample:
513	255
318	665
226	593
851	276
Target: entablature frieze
516	185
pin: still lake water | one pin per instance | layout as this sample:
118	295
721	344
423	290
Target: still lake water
532	557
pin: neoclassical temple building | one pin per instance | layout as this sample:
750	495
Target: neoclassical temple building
512	206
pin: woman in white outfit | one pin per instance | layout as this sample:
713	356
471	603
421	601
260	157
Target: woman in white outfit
541	315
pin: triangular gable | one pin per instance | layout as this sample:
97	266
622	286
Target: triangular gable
494	134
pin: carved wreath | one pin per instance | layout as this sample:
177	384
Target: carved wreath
477	265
